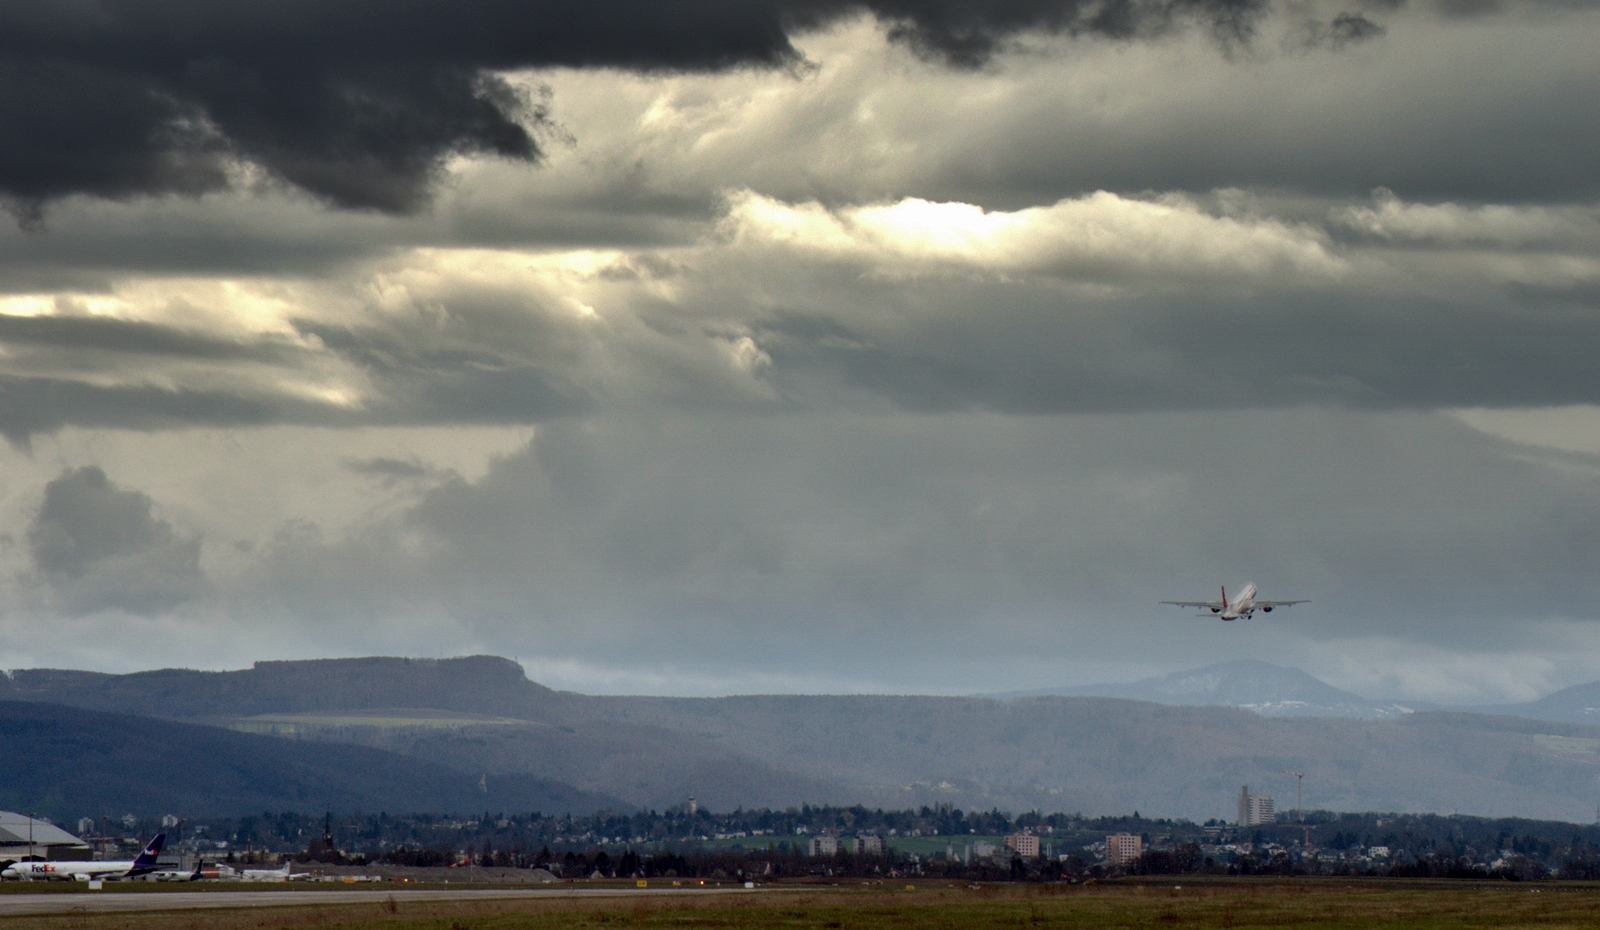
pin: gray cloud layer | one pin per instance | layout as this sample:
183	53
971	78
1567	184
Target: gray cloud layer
962	341
99	547
359	102
1098	304
963	542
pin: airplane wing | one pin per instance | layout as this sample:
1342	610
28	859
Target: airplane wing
1266	604
1217	604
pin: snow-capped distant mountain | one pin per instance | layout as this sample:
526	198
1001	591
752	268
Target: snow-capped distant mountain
1250	684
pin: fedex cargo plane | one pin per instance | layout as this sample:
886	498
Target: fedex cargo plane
1243	604
67	871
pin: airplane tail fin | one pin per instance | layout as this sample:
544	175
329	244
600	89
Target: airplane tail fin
147	858
1224	597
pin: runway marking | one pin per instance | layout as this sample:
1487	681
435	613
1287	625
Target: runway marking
111	902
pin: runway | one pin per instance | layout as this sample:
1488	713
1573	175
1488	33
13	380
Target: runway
100	902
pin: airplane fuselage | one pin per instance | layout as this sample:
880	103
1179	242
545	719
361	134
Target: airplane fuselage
1242	604
65	871
82	871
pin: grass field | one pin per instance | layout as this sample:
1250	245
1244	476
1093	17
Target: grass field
1298	904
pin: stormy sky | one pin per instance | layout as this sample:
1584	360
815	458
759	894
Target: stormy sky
715	346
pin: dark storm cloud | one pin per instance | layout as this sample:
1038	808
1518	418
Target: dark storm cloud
91	334
359	101
32	406
90	243
29	406
1498	144
968	33
50	354
100	547
86	252
479	367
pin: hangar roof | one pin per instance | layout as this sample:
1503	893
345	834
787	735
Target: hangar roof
14	830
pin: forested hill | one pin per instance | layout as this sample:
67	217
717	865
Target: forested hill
59	761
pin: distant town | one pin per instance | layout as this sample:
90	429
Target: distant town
689	842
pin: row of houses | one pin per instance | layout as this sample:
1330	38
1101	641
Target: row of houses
1120	848
1023	844
830	845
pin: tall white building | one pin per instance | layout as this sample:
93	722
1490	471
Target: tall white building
1025	844
1254	808
1123	847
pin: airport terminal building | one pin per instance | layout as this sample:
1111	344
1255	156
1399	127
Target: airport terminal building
22	836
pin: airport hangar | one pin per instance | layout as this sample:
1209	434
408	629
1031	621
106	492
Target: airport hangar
48	841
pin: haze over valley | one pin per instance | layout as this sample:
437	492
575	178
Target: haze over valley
349	723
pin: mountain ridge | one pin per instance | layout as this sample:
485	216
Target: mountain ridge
559	738
464	683
1070	753
1250	684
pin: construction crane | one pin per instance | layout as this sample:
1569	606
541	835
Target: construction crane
1299	806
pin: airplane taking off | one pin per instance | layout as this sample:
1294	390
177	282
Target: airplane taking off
69	871
1243	604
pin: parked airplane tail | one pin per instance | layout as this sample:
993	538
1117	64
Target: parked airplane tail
146	860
